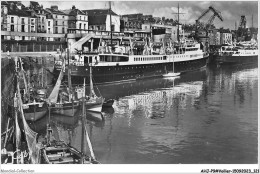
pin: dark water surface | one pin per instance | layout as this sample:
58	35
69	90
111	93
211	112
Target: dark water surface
204	117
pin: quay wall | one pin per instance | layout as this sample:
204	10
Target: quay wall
7	89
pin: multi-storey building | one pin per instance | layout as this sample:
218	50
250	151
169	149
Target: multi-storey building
99	19
169	30
132	22
40	14
214	37
4	11
60	20
49	24
77	20
15	20
225	38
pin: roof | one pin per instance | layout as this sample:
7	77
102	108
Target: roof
14	10
55	11
97	20
34	4
4	3
73	12
99	12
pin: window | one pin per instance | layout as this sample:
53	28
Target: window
63	23
56	29
49	30
63	17
79	25
79	17
85	26
22	20
112	27
49	23
12	19
63	30
23	26
56	22
42	19
23	37
12	27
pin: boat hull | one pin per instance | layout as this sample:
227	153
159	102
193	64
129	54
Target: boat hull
94	105
108	103
65	109
237	59
35	112
119	73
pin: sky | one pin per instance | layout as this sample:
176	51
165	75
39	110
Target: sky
231	11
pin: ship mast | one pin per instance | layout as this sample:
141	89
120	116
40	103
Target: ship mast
110	23
178	32
69	75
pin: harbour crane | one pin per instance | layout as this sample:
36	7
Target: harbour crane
210	21
242	31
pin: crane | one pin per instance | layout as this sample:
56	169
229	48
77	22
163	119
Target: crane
210	21
241	32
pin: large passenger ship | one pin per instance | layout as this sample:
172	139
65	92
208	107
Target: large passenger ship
120	66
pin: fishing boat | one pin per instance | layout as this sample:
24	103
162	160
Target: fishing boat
59	152
62	153
134	60
60	101
34	106
239	54
93	102
108	103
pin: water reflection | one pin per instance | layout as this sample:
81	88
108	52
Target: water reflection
208	116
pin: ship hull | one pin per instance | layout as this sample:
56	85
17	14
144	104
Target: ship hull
120	73
237	59
65	109
35	112
94	105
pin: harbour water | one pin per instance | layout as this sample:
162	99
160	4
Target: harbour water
204	117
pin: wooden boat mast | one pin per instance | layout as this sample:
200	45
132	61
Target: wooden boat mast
69	74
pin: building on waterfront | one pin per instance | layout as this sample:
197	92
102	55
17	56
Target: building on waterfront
170	31
132	22
60	20
40	13
77	20
214	37
14	19
225	36
99	20
49	24
4	14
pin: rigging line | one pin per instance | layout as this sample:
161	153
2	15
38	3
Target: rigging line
96	87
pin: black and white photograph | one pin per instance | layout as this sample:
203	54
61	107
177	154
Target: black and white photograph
129	86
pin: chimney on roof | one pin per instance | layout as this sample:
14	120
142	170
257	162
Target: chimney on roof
54	7
12	6
73	7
